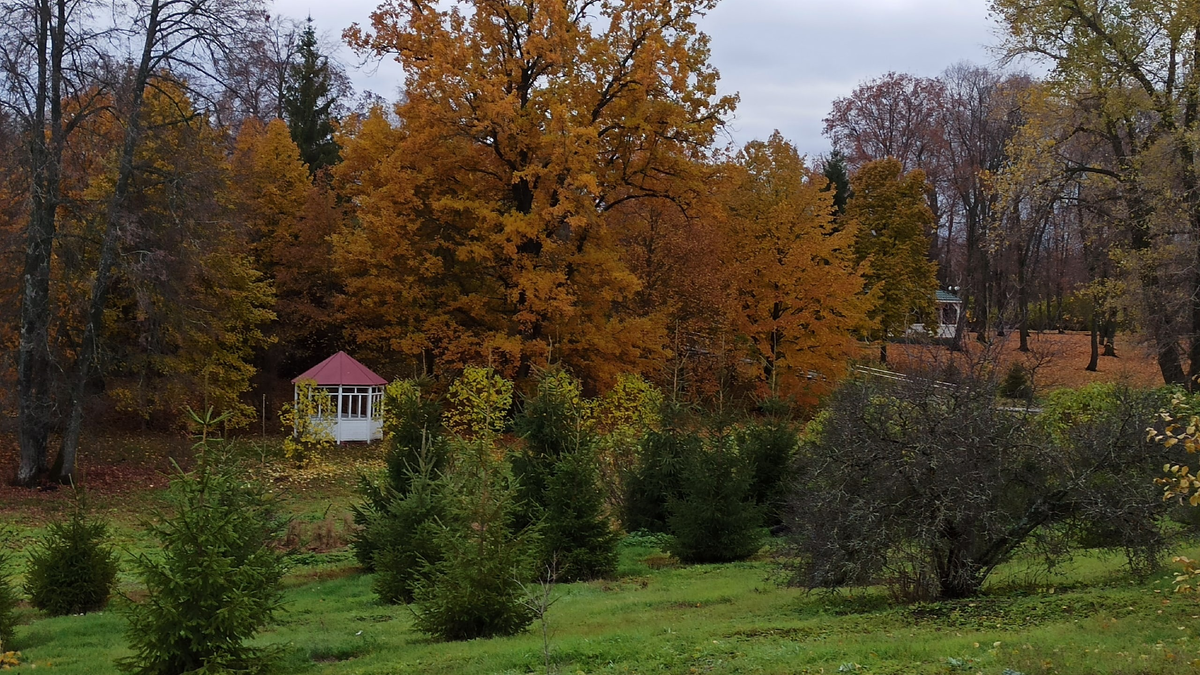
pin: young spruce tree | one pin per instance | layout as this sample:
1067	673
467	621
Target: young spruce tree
558	478
416	456
657	477
715	519
475	590
769	447
72	569
214	584
403	516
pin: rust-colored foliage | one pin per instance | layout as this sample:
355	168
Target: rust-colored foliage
488	222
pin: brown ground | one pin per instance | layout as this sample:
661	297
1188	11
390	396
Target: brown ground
119	470
1056	360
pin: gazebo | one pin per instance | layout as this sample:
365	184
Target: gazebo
949	310
356	393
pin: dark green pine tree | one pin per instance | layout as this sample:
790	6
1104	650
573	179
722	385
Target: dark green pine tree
715	520
769	446
308	99
558	482
838	175
658	476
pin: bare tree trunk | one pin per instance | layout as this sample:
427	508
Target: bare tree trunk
959	343
1194	307
1022	304
1094	364
45	149
64	464
1162	328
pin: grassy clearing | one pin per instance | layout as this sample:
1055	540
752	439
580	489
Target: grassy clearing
655	618
710	619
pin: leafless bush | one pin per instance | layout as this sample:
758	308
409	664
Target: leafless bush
926	485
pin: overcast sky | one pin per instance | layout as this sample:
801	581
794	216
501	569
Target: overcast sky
788	59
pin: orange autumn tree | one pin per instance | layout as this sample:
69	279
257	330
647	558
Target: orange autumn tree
798	292
270	182
485	227
290	221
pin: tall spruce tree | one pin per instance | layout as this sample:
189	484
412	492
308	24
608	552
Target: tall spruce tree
838	175
308	100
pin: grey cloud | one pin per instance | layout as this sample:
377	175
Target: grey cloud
788	59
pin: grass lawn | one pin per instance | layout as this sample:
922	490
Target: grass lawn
1089	618
709	619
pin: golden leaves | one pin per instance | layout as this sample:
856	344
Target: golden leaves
480	400
487	220
798	293
311	417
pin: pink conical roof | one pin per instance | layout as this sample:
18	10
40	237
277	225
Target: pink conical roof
341	368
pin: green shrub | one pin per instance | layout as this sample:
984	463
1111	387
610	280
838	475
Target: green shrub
215	583
476	590
72	570
657	476
927	486
715	519
558	481
405	538
8	607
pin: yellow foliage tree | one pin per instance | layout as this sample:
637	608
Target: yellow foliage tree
1181	426
480	400
798	292
622	417
486	218
310	417
894	222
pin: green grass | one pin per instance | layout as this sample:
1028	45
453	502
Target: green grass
710	619
1087	618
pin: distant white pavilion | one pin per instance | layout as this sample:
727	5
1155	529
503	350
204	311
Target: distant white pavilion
949	310
357	396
